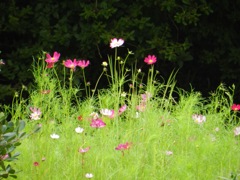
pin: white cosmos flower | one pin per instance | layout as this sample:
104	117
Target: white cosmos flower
79	130
89	175
116	42
54	136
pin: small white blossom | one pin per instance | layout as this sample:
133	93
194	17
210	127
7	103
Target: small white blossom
89	175
199	119
237	131
54	136
79	130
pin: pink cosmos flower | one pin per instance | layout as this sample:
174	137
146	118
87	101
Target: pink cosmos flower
146	96
83	63
84	150
98	123
52	59
150	59
36	113
122	109
237	131
107	112
71	64
235	107
116	42
199	119
122	147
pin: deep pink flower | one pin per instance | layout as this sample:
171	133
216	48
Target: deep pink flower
122	109
235	107
71	64
116	42
98	123
122	147
84	150
150	59
50	65
83	63
36	164
52	59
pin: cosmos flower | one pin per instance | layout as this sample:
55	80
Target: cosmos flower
199	119
79	130
83	63
54	136
52	59
36	113
116	42
98	123
71	64
150	59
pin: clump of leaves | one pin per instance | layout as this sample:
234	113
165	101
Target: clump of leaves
11	134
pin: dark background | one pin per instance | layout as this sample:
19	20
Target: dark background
198	37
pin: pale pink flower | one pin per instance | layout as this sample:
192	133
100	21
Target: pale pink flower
52	59
94	115
169	153
237	131
36	113
98	123
141	107
84	150
198	118
83	63
150	59
116	42
122	109
54	136
146	96
107	112
71	64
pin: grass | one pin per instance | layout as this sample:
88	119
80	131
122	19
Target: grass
166	143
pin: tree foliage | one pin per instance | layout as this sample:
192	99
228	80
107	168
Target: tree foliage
181	33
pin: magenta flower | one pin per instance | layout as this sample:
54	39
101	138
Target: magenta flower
150	59
97	123
122	147
116	42
84	150
36	113
235	107
71	64
83	63
122	109
52	59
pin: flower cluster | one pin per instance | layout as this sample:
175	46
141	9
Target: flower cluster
72	64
